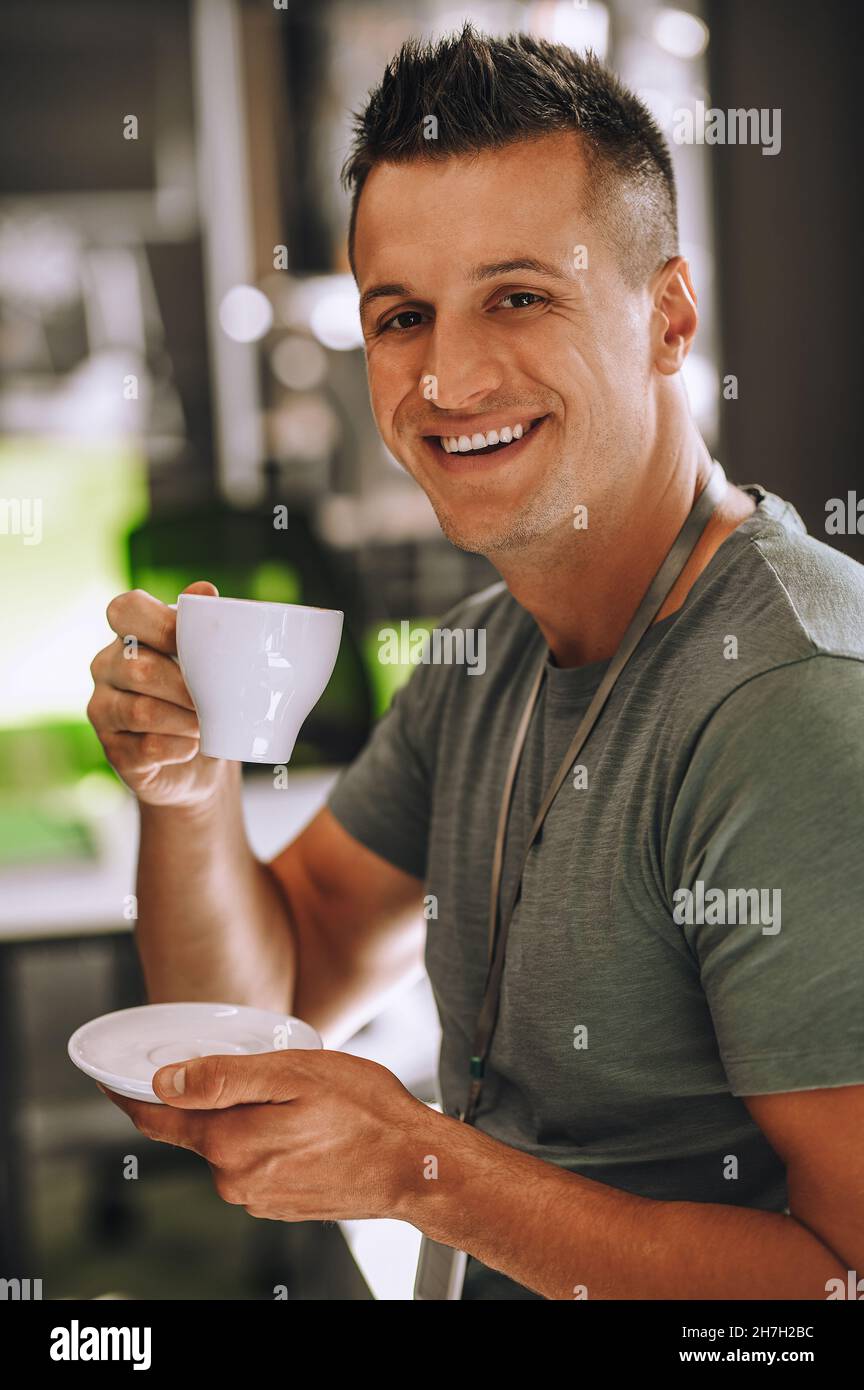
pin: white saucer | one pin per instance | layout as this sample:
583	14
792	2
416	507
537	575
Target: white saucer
125	1049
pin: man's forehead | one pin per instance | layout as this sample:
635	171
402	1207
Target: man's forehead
471	211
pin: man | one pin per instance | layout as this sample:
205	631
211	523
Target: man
673	1104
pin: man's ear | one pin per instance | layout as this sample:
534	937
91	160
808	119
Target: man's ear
675	318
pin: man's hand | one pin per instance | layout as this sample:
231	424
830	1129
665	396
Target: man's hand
141	709
294	1135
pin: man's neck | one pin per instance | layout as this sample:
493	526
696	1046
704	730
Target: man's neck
583	587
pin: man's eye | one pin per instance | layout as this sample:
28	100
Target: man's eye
521	294
397	324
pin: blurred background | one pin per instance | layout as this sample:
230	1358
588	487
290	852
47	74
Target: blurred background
181	354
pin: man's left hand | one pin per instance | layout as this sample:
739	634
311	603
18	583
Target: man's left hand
293	1135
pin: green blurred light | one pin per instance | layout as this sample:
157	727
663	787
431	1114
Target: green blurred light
55	593
388	677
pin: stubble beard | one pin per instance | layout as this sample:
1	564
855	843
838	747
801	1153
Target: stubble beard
542	514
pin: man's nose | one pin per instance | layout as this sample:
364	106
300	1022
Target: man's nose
460	369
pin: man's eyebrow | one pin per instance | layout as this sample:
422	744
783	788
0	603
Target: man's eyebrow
476	276
489	272
381	292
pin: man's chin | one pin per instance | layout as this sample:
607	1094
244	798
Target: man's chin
484	539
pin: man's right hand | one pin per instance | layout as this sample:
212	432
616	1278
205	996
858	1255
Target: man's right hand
141	709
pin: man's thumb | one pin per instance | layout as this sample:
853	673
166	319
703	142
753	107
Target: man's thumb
217	1082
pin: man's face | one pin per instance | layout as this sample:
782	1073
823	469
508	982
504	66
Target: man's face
460	341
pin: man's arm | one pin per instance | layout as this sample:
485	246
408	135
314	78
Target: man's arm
357	924
559	1233
325	930
211	924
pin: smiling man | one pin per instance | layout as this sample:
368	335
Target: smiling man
672	1101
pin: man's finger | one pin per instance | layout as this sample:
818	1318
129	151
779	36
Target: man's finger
138	614
201	586
215	1083
160	1122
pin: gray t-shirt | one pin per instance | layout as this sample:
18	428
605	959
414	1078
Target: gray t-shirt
730	756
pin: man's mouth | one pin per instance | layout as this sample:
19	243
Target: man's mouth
486	442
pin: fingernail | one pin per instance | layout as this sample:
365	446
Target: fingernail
101	1088
176	1082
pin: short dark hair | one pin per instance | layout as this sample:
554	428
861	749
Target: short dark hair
487	92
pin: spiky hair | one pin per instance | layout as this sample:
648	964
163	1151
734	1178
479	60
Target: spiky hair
487	92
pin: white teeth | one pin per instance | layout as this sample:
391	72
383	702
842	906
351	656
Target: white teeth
463	443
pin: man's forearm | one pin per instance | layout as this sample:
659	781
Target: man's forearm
566	1236
212	923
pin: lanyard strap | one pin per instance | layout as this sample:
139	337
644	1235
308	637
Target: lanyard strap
658	590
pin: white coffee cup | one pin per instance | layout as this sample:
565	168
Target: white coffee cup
254	671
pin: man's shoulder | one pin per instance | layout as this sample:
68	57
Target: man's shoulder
773	635
794	674
801	585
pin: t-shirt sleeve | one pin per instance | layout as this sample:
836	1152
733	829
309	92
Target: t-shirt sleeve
773	800
382	798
